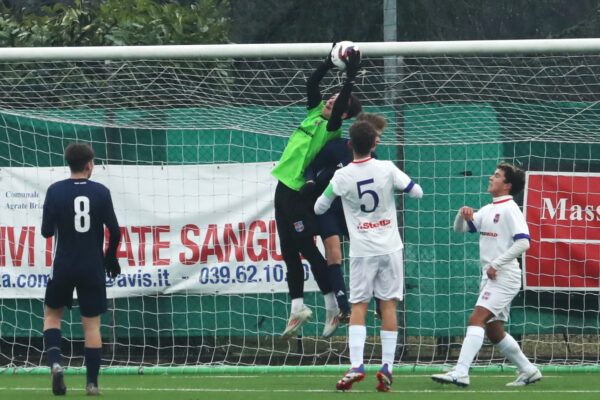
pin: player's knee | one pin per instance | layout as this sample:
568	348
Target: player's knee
287	249
477	319
387	306
310	251
333	252
359	313
333	259
51	323
494	336
52	318
495	331
291	256
480	316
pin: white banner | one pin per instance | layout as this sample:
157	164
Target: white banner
193	229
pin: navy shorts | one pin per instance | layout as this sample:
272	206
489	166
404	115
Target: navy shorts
333	221
91	296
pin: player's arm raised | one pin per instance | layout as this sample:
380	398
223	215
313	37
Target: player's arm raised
313	92
341	102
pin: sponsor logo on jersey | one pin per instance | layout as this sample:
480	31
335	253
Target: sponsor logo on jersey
492	234
373	225
496	218
299	226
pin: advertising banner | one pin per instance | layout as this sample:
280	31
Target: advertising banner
190	228
563	214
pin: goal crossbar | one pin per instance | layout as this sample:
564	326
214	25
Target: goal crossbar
374	49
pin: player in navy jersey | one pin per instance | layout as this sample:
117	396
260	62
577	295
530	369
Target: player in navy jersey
332	224
503	236
76	210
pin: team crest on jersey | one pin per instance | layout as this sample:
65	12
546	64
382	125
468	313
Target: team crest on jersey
299	226
485	295
496	218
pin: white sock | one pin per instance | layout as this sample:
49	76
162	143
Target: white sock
357	334
388	348
470	347
511	350
330	302
297	304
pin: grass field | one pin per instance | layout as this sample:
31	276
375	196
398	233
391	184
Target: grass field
301	386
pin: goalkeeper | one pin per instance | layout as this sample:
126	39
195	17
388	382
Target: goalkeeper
75	213
332	224
295	218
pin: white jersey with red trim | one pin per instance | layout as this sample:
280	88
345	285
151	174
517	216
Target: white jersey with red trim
499	225
367	191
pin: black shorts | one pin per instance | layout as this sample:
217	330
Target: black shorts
91	296
333	222
294	214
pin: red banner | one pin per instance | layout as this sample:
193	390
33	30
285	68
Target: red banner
563	215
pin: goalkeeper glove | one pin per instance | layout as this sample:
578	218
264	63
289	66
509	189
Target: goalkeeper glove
308	189
112	267
353	64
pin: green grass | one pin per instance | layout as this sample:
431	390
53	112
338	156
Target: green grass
301	386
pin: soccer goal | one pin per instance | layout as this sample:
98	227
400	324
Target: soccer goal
185	138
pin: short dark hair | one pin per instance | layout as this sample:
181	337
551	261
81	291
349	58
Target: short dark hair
362	137
513	175
77	155
354	106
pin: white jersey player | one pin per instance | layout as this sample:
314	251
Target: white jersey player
503	236
366	187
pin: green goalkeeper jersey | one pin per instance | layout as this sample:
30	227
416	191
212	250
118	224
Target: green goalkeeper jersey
304	144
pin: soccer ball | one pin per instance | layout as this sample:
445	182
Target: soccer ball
339	53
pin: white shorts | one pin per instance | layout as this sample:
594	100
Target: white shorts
379	276
496	298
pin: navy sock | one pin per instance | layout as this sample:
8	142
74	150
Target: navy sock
336	278
92	364
52	346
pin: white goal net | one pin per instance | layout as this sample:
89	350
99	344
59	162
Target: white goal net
185	139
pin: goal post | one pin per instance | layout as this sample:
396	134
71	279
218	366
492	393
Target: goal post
185	137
